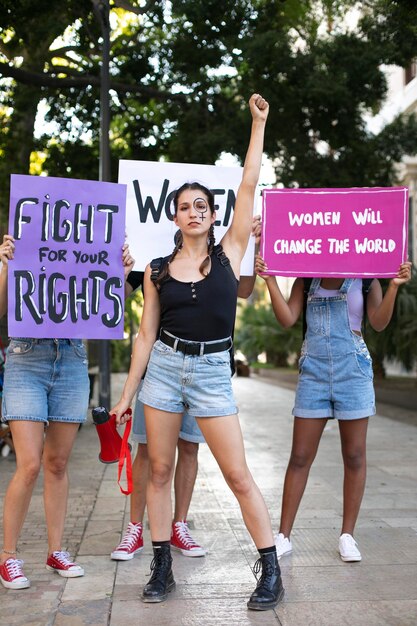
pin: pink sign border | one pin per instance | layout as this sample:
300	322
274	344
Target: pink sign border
341	191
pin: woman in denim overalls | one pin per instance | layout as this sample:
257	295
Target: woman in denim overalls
335	381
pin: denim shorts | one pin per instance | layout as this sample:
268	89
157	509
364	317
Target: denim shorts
340	387
46	380
177	382
189	428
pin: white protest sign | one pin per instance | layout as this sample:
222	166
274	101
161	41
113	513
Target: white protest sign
149	209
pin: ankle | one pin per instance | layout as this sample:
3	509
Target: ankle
7	554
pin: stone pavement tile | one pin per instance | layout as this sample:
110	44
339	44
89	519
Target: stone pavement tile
110	488
354	581
405	511
100	537
84	613
348	613
108	508
378	546
229	610
32	606
97	584
398	522
35	618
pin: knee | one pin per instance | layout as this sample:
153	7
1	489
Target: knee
160	474
30	471
187	451
56	465
354	460
299	460
239	481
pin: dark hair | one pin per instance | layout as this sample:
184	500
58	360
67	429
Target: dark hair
178	235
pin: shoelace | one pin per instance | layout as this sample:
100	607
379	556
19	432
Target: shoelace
267	571
183	532
130	537
160	562
63	558
14	568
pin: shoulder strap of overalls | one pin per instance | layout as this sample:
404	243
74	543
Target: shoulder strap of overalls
306	289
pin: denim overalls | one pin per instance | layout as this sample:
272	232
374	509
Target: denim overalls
336	377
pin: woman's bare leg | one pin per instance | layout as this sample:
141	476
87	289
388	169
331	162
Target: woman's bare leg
28	443
224	438
306	438
353	441
59	440
162	430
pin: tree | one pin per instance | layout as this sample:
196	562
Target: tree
181	72
399	340
258	331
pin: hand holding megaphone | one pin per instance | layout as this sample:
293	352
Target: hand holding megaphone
114	448
110	440
121	413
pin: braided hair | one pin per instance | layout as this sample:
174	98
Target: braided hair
205	265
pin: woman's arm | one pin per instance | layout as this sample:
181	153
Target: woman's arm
128	264
247	283
6	253
142	347
380	308
287	313
236	239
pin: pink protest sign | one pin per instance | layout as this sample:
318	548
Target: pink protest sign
335	232
66	279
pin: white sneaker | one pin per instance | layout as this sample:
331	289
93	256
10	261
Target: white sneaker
283	545
348	548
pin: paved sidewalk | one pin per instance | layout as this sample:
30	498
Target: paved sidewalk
212	591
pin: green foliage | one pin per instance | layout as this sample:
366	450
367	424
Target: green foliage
181	73
258	331
120	355
399	340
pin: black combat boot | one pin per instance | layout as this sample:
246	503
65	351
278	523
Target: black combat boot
162	580
269	590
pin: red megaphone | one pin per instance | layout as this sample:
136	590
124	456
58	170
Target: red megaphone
110	440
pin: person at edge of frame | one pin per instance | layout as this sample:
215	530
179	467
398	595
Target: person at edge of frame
44	413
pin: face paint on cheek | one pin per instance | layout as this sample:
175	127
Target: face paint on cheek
200	205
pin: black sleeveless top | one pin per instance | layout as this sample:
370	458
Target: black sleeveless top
204	310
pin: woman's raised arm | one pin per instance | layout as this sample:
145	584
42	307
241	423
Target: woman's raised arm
236	239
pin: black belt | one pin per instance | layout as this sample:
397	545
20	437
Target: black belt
194	347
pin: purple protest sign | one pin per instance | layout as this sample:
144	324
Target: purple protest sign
66	278
335	232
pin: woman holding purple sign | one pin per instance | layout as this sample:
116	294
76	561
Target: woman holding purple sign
45	399
185	341
335	381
